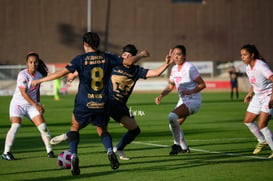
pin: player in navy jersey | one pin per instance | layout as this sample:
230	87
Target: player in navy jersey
121	85
94	68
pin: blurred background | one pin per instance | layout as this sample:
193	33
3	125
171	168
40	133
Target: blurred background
213	32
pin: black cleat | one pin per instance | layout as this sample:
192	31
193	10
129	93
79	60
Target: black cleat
75	170
113	160
51	154
175	149
8	156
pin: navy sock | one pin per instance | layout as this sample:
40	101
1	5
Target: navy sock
106	140
128	138
74	140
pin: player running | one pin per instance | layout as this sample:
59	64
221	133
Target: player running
26	103
94	68
186	78
259	97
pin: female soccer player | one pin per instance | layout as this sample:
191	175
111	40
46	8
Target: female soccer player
123	80
94	68
121	85
186	78
26	102
259	97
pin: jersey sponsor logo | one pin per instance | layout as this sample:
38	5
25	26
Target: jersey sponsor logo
95	105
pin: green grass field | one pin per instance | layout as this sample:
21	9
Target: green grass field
221	145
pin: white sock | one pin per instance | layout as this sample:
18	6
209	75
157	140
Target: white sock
268	136
183	141
256	132
45	134
11	136
176	131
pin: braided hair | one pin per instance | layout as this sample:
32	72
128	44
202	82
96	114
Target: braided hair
42	68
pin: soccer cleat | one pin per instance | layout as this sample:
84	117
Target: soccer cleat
271	156
121	154
259	147
113	160
51	154
75	170
8	156
175	149
186	151
58	139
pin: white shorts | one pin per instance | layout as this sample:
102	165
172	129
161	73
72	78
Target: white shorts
259	103
193	104
27	110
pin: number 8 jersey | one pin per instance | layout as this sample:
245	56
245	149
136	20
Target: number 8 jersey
94	70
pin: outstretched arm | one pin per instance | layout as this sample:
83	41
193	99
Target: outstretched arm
162	68
131	60
53	76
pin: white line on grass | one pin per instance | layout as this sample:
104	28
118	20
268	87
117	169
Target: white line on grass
204	151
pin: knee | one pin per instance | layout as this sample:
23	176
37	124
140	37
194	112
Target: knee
172	117
136	131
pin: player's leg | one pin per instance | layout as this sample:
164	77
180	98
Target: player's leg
74	139
262	124
176	118
39	122
10	137
133	131
237	92
106	140
253	127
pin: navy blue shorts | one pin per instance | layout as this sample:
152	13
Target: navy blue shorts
96	119
118	110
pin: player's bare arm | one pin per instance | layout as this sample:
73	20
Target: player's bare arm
201	85
249	95
162	68
133	59
30	101
53	76
165	92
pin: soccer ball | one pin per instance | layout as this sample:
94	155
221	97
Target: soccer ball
64	159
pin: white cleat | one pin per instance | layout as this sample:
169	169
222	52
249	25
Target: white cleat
120	154
58	139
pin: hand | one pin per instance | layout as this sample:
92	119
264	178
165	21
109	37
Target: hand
71	77
40	108
34	83
247	99
168	58
157	99
183	93
270	104
144	53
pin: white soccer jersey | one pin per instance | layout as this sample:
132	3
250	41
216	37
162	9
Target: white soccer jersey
24	80
184	78
258	77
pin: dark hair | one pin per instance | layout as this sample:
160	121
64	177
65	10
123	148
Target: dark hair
182	48
92	39
252	49
130	49
42	68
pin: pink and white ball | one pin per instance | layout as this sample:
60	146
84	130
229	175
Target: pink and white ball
64	159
